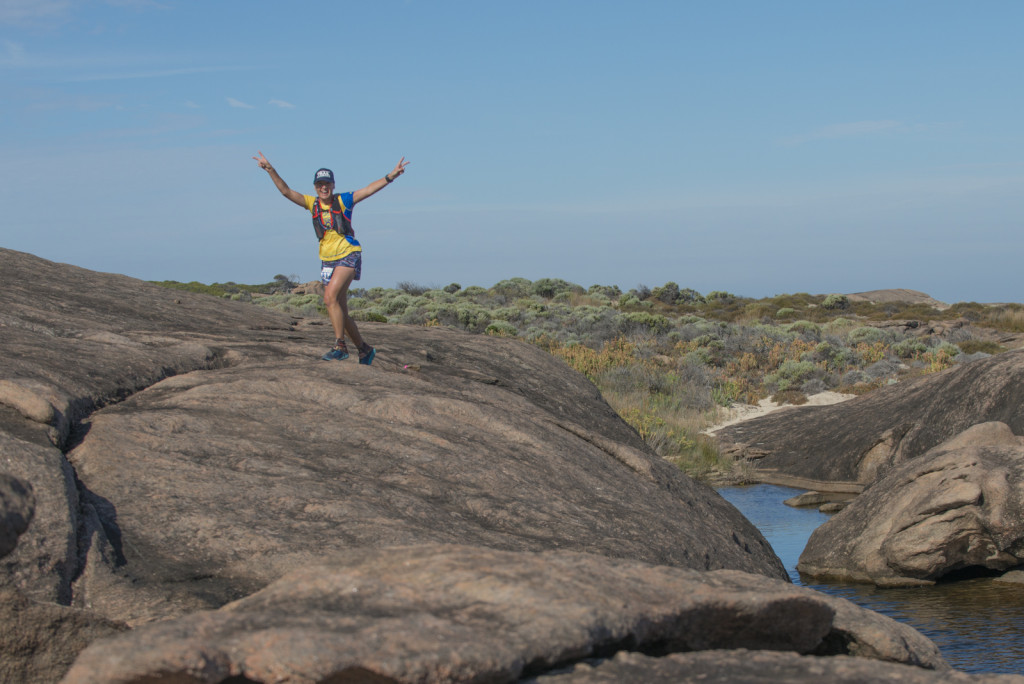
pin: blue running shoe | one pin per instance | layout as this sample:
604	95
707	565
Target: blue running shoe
366	357
337	354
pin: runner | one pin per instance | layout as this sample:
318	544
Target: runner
341	256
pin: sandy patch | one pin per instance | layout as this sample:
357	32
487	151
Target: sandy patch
738	413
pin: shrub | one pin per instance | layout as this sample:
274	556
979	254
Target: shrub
838	326
472	317
641	292
641	320
612	292
855	377
667	293
369	315
791	374
865	333
813	386
835	302
689	295
513	288
549	287
909	348
805	328
452	288
412	288
785	312
789	396
975	346
501	329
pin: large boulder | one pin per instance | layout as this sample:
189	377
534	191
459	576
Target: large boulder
959	506
857	441
185	451
209	485
469	614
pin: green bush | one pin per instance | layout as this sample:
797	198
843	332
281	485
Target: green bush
865	333
501	329
838	326
612	292
549	287
667	293
975	346
785	312
641	320
791	374
513	288
836	302
369	315
689	295
909	348
804	328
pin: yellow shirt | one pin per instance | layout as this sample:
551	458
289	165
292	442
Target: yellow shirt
334	246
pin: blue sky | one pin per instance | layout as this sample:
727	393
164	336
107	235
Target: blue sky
751	146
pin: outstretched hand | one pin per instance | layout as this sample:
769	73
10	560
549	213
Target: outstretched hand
399	169
262	161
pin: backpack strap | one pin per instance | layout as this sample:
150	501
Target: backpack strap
337	222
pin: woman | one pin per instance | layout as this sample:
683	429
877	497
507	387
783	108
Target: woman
340	253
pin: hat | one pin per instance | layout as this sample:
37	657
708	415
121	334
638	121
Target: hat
323	175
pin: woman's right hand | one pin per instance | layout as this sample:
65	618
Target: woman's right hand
262	161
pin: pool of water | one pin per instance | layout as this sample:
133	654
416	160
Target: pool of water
978	623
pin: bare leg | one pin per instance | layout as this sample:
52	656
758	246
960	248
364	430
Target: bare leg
336	300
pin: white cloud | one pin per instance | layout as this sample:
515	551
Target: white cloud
238	103
282	104
191	105
844	130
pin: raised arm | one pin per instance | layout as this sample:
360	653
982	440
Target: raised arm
377	185
279	182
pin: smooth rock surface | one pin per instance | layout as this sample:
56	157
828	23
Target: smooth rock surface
39	641
17	506
209	485
857	441
958	506
741	666
45	560
185	451
459	614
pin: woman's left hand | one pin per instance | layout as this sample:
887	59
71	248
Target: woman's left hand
399	169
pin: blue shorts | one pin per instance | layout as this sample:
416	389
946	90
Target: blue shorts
353	261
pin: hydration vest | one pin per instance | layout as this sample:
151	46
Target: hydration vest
339	223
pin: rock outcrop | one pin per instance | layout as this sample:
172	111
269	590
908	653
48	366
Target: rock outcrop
456	613
17	505
958	507
466	506
857	441
742	666
185	451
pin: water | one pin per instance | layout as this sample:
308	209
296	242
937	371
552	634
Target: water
978	623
